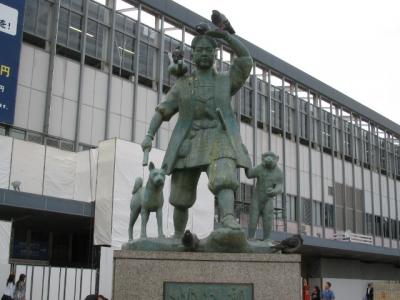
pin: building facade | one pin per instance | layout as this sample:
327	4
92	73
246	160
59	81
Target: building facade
92	71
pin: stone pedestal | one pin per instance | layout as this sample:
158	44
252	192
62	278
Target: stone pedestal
140	275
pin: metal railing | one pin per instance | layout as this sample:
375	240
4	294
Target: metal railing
56	283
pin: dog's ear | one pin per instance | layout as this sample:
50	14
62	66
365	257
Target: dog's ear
151	166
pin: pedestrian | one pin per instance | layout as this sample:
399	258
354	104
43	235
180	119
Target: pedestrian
20	288
306	290
316	294
327	293
370	292
8	293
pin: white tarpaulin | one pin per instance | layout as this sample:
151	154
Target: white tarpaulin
106	272
27	166
5	160
5	234
82	186
93	172
104	193
59	173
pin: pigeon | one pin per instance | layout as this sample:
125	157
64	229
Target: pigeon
190	241
177	54
289	245
202	28
221	21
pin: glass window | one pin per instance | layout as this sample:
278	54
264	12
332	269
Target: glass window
77	5
291	207
63	22
43	17
329	215
119	22
317	213
307	211
75	31
128	52
93	10
378	226
30	16
368	219
91	38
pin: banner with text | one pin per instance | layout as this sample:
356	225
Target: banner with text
11	23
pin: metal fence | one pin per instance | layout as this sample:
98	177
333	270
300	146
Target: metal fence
56	283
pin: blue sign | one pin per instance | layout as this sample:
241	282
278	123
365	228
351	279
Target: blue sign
11	23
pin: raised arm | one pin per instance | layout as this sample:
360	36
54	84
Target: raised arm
241	66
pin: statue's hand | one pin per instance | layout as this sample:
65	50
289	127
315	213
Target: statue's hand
218	34
147	143
271	192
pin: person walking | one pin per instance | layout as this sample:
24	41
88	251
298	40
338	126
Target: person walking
20	288
316	294
8	293
370	292
327	293
306	290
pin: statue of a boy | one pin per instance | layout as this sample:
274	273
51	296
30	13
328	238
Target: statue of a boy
206	137
269	184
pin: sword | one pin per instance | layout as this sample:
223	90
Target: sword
221	118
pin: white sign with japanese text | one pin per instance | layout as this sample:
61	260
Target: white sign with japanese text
8	19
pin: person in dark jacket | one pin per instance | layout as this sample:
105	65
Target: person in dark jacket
370	292
316	294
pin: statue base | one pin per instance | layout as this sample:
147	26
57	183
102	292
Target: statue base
183	275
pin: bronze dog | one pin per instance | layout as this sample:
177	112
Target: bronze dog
147	199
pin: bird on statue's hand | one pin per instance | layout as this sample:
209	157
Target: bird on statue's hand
221	21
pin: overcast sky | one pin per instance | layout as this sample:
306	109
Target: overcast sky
351	45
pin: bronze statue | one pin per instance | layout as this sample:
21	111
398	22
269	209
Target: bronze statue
269	184
147	199
206	137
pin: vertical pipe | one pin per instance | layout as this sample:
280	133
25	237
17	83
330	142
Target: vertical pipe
395	194
160	72
283	125
42	291
48	284
300	217
31	279
110	59
333	135
310	178
372	181
136	62
80	285
321	148
52	56
352	150
269	112
387	189
380	188
76	271
81	74
255	107
59	284
364	229
65	282
343	150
